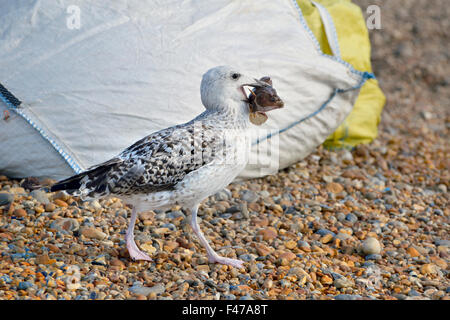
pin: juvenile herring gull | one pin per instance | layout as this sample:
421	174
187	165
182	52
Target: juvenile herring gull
183	164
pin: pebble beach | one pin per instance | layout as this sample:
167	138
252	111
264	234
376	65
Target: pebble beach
370	223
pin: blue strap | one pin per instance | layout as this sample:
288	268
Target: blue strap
13	103
7	97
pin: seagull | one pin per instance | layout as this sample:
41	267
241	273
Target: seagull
180	165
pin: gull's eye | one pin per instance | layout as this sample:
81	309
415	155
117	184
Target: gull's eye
235	76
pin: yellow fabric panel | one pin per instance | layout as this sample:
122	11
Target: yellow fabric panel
361	125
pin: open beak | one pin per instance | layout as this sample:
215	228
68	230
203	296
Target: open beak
257	84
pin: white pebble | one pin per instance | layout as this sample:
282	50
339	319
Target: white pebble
371	246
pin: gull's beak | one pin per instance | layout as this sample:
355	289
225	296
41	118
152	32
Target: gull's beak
257	84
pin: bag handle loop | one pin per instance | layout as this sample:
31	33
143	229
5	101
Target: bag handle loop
330	29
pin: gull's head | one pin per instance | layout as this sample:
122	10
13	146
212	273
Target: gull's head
223	88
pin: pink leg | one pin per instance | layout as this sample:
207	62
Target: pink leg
133	250
213	257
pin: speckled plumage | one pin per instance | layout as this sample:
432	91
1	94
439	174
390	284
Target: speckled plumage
161	161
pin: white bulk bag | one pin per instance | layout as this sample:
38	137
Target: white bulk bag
134	67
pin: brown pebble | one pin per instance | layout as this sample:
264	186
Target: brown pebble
262	249
184	244
260	222
117	263
53	248
276	208
60	203
44	259
203	267
291	244
133	268
93	233
428	269
170	246
39	209
439	262
316	249
289	256
20	213
326	238
254	206
268	233
148	215
326	280
50	207
305	247
334	187
61	196
413	252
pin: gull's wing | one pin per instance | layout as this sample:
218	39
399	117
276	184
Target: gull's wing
155	163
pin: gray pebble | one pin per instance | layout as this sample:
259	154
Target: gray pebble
368	264
160	216
40	196
347	297
24	285
342	282
223	195
233	209
351	217
65	224
249	196
211	283
392	253
158	289
340	216
343	236
248	257
371	246
175	214
6	198
444	243
226	216
399	296
323	232
413	293
264	194
373	257
371	195
302	243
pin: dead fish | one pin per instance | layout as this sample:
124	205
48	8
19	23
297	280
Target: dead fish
263	99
